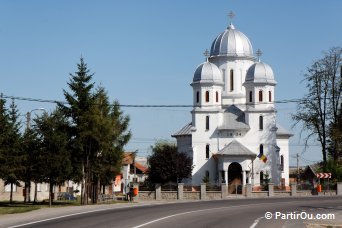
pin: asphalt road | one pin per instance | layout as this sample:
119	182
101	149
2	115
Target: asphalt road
220	213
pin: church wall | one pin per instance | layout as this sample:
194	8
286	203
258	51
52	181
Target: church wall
284	150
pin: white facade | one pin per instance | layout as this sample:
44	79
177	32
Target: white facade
233	136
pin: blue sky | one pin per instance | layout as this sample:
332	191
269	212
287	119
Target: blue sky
145	52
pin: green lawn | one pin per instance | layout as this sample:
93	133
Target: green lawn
20	207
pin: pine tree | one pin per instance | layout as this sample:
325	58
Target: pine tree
11	151
52	132
80	112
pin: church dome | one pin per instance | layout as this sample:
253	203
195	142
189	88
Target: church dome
260	73
207	72
231	42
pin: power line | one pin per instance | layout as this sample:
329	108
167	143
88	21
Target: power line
286	101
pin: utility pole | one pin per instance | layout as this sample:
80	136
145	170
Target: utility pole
297	167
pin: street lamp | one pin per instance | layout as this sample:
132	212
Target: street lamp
28	188
28	116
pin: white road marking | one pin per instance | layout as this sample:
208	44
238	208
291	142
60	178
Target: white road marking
69	215
256	221
190	212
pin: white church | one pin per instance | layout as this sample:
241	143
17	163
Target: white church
234	137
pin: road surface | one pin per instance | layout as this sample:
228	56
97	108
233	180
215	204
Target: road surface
285	212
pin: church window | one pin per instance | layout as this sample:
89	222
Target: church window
224	78
223	176
269	96
207	123
282	163
217	98
260	95
250	96
261	150
197	96
261	122
231	80
261	177
206	96
207	151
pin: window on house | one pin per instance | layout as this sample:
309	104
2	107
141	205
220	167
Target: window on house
207	151
206	96
282	163
261	123
269	96
250	96
231	80
261	177
8	188
260	95
217	96
207	123
197	96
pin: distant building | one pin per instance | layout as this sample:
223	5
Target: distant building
233	136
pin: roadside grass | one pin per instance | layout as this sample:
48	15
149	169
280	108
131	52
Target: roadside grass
20	207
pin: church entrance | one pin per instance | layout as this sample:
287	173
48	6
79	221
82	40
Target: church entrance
235	178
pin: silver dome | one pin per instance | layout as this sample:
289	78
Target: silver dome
208	72
231	42
260	73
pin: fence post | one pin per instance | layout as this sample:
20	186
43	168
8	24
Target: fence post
180	191
270	189
203	191
248	190
339	189
224	191
158	192
293	189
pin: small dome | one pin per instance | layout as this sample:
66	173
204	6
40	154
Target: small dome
231	42
260	73
208	72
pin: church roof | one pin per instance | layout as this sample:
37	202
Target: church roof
231	42
208	72
260	73
234	119
281	131
186	130
236	149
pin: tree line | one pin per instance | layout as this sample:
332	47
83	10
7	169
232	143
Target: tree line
81	140
320	110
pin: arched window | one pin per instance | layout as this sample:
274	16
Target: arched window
261	150
260	95
207	123
206	96
217	98
207	151
269	96
261	177
282	163
231	80
197	96
261	123
250	96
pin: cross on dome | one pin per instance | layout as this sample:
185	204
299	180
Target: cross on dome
206	54
231	15
258	53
